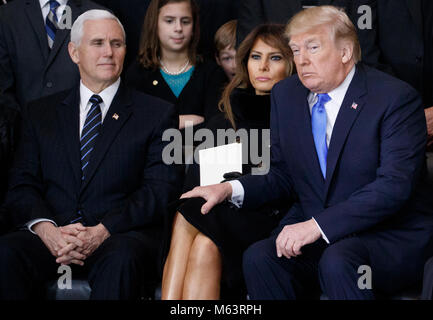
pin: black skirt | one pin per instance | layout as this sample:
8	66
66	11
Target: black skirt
233	230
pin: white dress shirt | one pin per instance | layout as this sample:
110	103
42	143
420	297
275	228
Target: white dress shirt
107	96
45	7
332	108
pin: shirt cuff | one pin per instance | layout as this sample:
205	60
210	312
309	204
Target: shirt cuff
321	231
237	193
31	223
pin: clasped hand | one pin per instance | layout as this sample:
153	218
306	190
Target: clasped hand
72	243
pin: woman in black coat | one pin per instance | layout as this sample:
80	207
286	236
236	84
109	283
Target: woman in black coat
206	249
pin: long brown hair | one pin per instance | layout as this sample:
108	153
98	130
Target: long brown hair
149	51
271	34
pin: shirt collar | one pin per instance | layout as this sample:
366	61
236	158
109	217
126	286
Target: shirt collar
336	95
107	95
43	3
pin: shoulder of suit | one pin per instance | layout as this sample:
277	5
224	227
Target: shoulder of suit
379	81
46	104
287	83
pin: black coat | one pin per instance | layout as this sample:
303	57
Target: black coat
405	38
9	128
199	96
251	112
213	14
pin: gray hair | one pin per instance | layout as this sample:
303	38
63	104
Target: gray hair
95	14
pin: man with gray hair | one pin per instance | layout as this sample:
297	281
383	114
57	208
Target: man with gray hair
347	147
88	187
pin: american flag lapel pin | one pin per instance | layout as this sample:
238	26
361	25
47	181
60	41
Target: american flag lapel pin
354	105
115	116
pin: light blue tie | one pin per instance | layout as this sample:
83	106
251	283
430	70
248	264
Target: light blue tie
318	124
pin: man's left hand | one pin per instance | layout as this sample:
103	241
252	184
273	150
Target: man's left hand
294	236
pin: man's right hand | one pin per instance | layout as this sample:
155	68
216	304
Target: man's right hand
213	195
55	241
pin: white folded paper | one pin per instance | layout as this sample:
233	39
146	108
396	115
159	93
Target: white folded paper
214	162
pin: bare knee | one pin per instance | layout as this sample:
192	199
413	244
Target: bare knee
204	251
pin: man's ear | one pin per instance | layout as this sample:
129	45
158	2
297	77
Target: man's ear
346	51
73	52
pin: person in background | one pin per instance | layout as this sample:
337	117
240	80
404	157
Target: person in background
34	59
225	42
206	250
168	66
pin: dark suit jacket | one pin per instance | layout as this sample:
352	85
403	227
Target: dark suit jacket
28	68
400	36
255	12
128	185
213	14
375	160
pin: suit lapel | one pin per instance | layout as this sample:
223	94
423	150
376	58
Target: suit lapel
69	119
308	147
63	34
350	109
117	115
34	13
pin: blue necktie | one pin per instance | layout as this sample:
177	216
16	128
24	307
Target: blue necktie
51	22
318	124
89	133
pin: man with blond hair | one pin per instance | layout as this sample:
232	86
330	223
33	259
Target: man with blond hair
348	149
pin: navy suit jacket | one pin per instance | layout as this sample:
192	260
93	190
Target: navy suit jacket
127	185
374	164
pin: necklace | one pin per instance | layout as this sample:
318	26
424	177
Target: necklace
175	73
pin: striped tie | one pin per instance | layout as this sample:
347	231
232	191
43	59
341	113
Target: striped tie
90	132
51	22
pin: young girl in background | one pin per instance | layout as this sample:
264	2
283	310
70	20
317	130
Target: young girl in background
168	66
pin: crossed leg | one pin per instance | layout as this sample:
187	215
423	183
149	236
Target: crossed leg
193	266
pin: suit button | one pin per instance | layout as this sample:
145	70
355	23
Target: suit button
418	59
49	84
